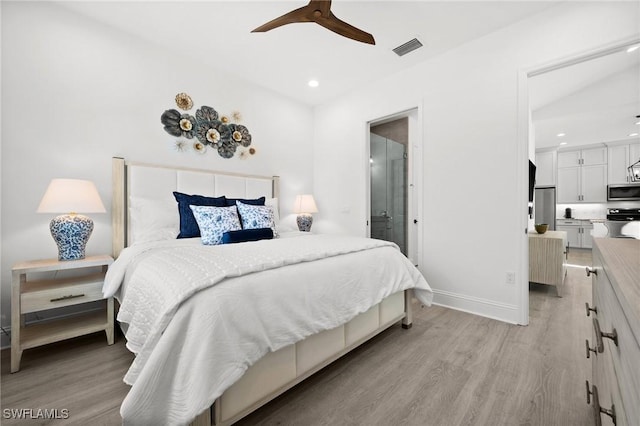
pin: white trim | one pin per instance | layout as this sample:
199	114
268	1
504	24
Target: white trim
584	56
522	185
477	306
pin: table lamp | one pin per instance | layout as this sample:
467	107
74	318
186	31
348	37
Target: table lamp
71	231
304	206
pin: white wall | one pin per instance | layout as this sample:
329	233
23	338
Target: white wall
76	93
473	224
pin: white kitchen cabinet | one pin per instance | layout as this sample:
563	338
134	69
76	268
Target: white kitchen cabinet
582	157
619	158
578	232
586	237
594	183
582	176
573	235
569	188
593	156
569	159
546	167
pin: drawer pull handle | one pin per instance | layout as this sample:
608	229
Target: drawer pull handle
597	409
591	270
588	349
590	309
599	335
71	296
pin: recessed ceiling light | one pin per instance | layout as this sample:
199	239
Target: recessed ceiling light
313	83
561	135
563	143
633	134
633	48
637	123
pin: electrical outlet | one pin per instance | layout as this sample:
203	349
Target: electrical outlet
510	278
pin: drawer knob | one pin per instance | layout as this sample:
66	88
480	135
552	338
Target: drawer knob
597	409
600	334
591	270
590	309
588	349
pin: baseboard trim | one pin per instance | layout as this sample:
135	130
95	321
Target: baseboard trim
475	305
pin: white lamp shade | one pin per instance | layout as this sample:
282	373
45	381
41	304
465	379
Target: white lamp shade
71	196
305	204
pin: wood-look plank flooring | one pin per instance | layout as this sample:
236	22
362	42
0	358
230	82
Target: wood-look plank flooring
451	368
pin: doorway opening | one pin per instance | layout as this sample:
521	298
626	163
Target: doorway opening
388	149
577	105
393	196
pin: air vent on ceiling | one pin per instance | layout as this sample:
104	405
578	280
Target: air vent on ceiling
407	47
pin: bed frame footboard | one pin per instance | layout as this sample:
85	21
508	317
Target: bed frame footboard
279	371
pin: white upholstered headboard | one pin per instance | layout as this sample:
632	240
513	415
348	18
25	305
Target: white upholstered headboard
132	179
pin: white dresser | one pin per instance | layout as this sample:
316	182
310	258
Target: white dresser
614	346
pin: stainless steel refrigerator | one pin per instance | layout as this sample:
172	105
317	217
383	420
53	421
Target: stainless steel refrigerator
544	206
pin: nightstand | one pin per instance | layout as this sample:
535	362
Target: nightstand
84	285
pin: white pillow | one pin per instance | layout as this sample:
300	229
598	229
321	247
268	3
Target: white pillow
254	217
153	219
273	202
215	221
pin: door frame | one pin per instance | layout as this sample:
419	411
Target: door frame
523	148
414	177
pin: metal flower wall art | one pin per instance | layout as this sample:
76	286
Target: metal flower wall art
206	130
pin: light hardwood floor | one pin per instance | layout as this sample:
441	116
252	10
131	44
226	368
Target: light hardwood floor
451	368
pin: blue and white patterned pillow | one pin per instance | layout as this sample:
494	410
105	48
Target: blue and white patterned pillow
254	217
215	221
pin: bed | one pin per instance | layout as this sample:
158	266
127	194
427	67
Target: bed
220	330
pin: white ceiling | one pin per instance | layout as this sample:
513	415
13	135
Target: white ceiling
591	102
594	101
217	33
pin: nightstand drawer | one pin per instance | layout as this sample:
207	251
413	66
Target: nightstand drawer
50	294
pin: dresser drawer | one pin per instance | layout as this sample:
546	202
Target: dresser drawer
50	294
625	355
604	378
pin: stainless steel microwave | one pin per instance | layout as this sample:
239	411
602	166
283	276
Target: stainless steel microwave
624	192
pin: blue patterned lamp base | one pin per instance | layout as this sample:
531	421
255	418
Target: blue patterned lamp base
304	222
71	233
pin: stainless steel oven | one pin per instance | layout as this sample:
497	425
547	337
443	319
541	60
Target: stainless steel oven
624	192
620	218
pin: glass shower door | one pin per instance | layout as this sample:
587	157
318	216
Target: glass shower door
388	190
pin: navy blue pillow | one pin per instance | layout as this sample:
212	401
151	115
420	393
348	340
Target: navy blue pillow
253	202
243	235
188	225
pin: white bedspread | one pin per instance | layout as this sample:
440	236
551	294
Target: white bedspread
190	349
